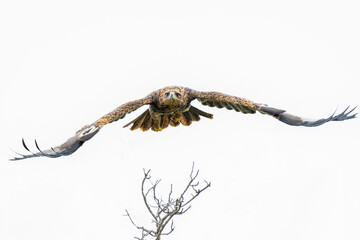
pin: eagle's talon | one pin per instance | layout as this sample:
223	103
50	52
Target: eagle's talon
157	129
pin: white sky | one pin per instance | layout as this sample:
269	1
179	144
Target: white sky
64	64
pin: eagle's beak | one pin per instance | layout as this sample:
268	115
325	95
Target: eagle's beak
171	96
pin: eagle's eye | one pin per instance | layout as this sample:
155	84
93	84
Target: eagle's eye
167	94
178	95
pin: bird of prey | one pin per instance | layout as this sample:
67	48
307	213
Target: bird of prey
172	106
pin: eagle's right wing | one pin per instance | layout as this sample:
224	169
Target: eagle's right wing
85	133
67	148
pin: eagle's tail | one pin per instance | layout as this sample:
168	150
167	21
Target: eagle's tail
145	122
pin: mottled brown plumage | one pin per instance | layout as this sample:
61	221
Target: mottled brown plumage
172	106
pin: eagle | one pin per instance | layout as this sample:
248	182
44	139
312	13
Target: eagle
172	106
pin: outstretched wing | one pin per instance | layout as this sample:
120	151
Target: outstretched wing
85	133
220	100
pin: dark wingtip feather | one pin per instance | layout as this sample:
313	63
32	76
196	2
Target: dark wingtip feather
37	146
23	143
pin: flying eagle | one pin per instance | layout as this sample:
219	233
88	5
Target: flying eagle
172	106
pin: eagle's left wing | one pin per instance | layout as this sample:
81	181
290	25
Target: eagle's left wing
220	100
85	133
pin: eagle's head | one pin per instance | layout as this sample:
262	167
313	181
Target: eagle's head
172	97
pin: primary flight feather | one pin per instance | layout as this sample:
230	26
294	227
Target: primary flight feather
172	106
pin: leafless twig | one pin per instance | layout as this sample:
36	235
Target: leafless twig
161	211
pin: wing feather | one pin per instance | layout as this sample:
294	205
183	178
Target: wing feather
222	100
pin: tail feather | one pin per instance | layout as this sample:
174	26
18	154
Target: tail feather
185	119
145	121
194	116
147	124
165	121
199	112
173	124
137	122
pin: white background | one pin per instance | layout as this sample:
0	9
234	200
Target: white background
64	64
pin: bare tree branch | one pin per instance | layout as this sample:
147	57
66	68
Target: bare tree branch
145	232
162	212
147	177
